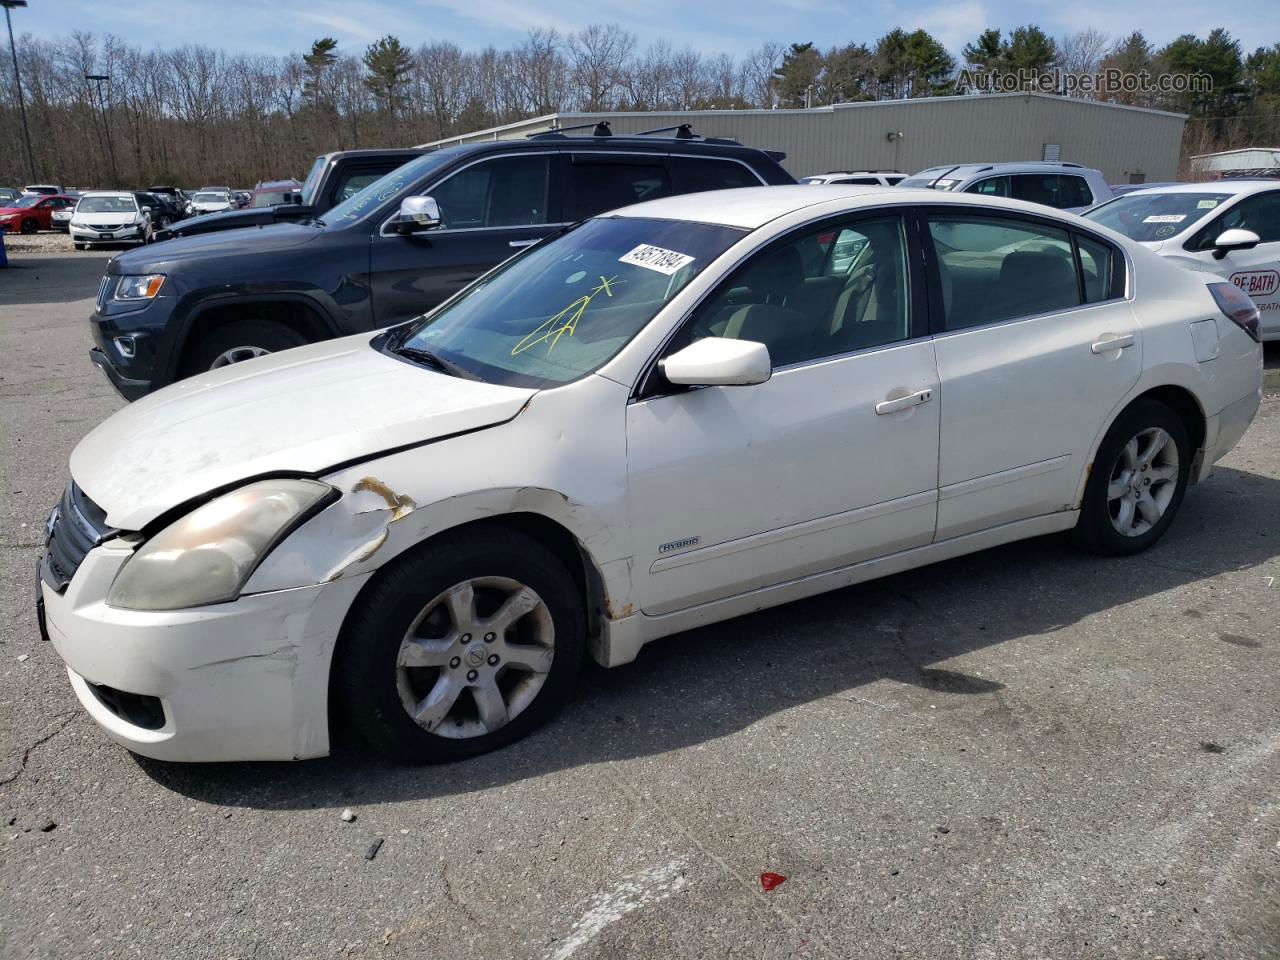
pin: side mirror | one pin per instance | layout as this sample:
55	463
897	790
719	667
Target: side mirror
1234	239
418	213
719	361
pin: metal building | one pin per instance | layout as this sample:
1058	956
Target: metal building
1128	144
1248	161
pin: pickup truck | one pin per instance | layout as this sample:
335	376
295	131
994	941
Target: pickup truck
333	178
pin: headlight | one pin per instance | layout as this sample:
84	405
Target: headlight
142	287
207	556
944	184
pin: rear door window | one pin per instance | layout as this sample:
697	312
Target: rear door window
599	184
992	269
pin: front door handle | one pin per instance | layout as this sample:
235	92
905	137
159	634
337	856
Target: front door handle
1112	343
522	243
903	403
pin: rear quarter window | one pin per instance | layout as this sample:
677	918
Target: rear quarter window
695	174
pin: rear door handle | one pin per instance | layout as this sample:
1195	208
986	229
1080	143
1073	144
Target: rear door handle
1113	343
523	243
903	403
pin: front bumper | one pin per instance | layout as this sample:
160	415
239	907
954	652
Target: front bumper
128	388
246	680
133	232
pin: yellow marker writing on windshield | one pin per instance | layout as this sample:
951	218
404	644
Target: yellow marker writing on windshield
566	321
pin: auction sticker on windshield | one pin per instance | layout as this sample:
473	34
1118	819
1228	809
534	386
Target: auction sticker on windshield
656	258
1166	218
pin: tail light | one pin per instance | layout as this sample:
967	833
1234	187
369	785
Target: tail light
1237	306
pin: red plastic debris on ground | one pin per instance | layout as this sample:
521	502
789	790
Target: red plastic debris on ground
771	880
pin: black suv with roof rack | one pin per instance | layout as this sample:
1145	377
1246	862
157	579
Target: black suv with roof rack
216	298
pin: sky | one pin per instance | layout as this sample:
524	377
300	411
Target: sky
710	26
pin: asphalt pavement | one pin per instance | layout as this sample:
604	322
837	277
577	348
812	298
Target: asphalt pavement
1031	752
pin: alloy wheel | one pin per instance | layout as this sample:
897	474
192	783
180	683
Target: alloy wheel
1143	482
475	657
236	355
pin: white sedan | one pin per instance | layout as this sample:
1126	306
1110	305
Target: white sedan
1230	228
678	413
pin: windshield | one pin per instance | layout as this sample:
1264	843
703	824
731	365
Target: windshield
566	307
212	198
312	182
372	197
1152	217
269	198
106	205
25	202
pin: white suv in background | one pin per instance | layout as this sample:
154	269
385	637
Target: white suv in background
859	178
1228	227
1064	186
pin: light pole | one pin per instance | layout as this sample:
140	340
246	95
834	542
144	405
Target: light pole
97	78
17	79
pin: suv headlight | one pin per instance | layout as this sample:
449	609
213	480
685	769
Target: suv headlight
207	556
140	287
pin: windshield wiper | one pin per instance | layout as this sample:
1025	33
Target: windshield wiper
436	361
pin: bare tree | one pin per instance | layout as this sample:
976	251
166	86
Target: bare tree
597	57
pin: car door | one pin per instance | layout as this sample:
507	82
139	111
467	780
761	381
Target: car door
490	209
830	462
1256	271
1034	353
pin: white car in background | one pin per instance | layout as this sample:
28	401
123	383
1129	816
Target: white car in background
1226	227
674	414
856	178
211	201
109	216
1063	186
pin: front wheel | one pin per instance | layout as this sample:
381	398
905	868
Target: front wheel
460	648
1138	481
242	340
30	226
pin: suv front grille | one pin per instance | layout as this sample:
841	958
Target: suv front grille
102	290
75	527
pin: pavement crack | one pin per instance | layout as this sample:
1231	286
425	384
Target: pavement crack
452	898
66	718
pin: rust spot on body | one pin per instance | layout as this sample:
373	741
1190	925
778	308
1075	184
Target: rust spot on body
399	504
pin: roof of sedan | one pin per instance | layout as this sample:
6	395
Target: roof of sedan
1244	185
752	207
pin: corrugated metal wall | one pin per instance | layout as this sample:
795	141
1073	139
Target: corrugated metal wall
1120	141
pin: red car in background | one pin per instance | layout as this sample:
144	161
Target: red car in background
32	212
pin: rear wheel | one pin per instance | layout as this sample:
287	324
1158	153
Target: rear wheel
1138	480
241	340
461	648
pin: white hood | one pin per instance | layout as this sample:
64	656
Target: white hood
303	411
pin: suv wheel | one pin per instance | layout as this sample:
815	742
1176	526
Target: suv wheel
242	340
461	648
1139	478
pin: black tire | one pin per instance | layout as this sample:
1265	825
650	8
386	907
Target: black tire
262	334
364	677
1095	529
29	226
79	246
